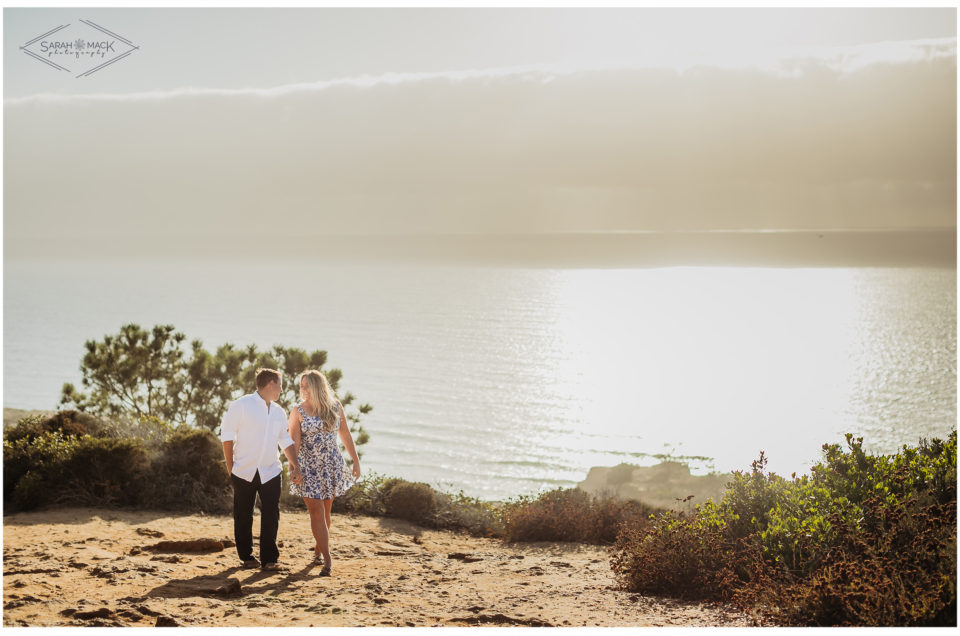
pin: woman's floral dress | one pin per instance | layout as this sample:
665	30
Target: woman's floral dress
325	473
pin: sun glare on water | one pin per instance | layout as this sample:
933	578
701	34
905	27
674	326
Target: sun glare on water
729	360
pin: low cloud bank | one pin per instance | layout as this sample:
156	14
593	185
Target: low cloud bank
815	143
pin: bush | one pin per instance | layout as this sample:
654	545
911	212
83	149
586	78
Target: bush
167	468
102	472
377	495
30	459
571	515
460	512
73	423
54	469
413	501
69	423
366	496
862	540
529	519
681	556
905	575
189	473
152	431
26	427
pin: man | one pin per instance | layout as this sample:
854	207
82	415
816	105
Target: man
251	430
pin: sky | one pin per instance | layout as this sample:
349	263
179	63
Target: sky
411	121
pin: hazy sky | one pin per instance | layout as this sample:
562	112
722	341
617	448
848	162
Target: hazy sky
455	120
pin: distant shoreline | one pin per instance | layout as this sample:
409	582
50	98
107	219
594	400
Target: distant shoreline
735	248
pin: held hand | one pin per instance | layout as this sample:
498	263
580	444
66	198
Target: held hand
295	475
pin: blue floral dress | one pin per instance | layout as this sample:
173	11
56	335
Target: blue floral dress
325	473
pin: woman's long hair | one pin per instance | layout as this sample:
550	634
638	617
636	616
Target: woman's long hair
323	401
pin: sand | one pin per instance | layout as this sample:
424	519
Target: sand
86	566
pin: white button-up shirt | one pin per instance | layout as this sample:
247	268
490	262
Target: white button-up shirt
256	434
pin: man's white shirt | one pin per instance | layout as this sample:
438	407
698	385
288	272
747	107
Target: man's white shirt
256	434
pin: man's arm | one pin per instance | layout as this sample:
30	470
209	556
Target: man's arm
228	433
228	455
291	453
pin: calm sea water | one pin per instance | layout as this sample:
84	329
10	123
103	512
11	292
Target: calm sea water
503	382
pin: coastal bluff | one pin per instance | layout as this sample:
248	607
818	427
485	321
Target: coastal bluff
665	485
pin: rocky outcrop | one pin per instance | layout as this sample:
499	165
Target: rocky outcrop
666	485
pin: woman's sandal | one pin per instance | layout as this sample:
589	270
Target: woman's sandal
318	560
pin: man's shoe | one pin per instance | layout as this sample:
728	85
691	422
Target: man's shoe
271	566
250	564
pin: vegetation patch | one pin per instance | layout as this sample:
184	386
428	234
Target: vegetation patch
863	540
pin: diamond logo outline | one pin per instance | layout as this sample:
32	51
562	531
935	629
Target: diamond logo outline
78	45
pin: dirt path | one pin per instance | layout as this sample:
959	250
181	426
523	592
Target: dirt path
95	567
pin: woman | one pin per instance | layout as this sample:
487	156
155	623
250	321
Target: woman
314	426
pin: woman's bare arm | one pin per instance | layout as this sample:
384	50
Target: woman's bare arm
347	440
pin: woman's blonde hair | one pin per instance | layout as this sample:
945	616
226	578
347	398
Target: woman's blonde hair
323	401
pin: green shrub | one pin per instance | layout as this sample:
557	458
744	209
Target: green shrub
371	494
460	512
377	495
169	470
102	472
69	423
151	430
904	575
597	519
190	474
73	423
193	452
31	491
26	427
54	469
682	556
33	460
862	540
413	501
365	496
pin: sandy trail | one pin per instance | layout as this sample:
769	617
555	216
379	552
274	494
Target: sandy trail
87	566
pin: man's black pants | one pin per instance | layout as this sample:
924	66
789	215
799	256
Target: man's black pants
244	497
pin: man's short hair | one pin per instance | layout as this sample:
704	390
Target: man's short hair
266	376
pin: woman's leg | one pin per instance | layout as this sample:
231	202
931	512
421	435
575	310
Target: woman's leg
318	525
327	507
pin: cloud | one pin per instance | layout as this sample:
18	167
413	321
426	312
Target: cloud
858	137
790	61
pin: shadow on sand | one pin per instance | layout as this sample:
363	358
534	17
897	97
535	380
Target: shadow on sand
216	585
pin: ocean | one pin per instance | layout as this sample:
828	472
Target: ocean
504	381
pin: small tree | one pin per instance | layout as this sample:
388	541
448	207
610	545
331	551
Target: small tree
147	373
134	372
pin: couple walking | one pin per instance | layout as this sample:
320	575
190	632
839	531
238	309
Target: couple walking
252	430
